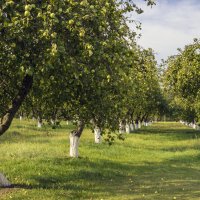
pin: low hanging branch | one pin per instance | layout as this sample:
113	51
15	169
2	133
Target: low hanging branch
16	103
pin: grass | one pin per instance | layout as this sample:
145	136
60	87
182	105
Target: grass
159	162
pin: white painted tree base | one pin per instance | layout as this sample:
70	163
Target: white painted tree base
194	126
121	131
39	125
3	181
128	129
97	135
121	128
136	127
143	123
132	127
74	143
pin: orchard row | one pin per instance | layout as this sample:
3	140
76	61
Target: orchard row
182	84
77	61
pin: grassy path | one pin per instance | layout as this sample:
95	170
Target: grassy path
159	162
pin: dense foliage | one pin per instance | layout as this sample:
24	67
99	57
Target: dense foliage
75	60
182	82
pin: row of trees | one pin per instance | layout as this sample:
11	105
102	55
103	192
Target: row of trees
75	60
182	83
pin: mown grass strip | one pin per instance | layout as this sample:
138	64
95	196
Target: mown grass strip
157	162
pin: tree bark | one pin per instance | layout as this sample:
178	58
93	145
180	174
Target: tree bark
121	127
74	140
139	124
4	181
16	103
132	127
128	130
97	135
39	123
136	124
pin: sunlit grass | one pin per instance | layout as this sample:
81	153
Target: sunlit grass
158	162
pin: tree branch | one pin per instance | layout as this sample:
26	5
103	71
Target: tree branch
16	103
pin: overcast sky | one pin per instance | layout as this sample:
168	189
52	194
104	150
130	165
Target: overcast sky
169	25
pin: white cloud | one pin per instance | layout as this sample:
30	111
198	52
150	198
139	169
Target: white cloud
169	25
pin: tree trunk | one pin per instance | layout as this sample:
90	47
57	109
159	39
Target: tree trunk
74	140
136	125
97	135
139	124
3	181
194	126
16	103
132	127
39	124
121	127
128	130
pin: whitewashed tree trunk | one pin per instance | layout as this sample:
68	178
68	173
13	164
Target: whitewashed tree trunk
121	128
139	124
136	126
20	117
3	181
39	122
194	126
185	123
143	123
97	135
74	139
67	122
132	127
39	125
74	143
128	130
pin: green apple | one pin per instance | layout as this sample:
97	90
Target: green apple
82	33
52	15
27	13
28	7
71	21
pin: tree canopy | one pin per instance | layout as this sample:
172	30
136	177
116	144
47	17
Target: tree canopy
182	81
67	55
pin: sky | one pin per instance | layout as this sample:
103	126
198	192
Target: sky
169	25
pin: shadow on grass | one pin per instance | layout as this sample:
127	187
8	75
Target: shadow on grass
112	179
152	130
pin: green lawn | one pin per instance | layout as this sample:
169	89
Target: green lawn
158	162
